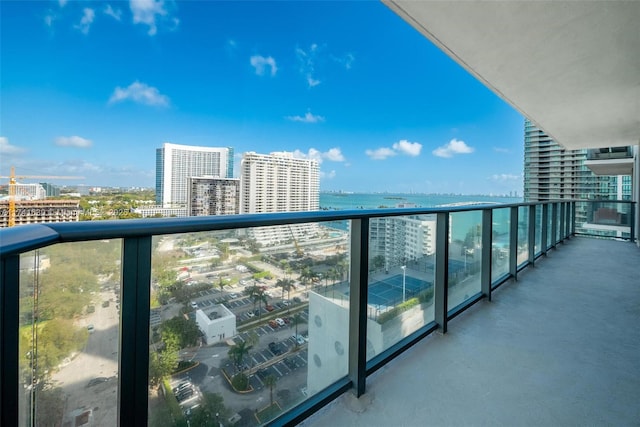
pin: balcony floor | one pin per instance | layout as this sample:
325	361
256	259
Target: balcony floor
559	347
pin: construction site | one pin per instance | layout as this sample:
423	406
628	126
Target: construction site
29	203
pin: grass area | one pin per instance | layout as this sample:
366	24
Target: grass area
268	413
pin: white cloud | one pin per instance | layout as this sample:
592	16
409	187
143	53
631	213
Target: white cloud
409	148
332	155
380	153
307	62
62	3
149	12
6	148
307	118
346	60
73	141
140	93
114	13
401	147
328	175
49	18
261	62
504	177
454	146
86	20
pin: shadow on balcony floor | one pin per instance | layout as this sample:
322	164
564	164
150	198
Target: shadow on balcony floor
559	347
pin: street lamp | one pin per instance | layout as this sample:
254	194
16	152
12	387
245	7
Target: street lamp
404	280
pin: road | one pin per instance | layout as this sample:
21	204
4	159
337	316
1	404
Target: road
99	359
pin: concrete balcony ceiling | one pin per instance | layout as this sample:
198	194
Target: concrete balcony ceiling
573	68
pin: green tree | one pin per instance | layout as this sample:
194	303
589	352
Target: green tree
286	285
238	352
270	381
162	363
211	411
377	262
184	332
257	295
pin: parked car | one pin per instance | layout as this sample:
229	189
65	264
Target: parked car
90	328
269	307
194	305
250	314
297	299
273	323
276	348
280	322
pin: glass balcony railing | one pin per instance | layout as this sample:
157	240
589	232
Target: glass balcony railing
610	153
606	218
247	319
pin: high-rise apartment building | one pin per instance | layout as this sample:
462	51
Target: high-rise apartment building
551	172
279	182
175	164
214	196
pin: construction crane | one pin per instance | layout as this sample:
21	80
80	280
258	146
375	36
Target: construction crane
12	189
299	251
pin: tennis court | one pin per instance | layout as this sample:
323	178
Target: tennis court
388	292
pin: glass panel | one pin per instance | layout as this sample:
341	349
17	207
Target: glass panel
247	323
69	317
550	241
500	243
607	219
465	256
523	235
401	278
538	242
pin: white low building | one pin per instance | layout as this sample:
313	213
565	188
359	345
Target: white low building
217	323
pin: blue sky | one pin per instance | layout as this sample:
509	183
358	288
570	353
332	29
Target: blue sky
93	88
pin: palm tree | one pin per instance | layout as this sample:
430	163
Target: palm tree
270	381
238	352
256	293
296	320
286	285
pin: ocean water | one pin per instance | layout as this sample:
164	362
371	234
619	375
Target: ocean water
461	222
341	201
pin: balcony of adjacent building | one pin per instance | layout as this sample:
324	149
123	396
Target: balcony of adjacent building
611	160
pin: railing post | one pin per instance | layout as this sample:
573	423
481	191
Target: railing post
545	228
133	378
358	295
513	243
442	270
487	251
567	230
562	222
9	327
554	224
532	234
632	217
